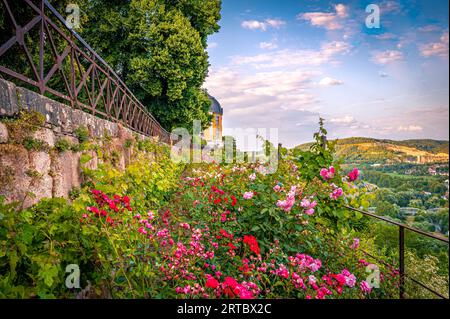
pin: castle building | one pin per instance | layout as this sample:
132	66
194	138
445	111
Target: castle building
213	134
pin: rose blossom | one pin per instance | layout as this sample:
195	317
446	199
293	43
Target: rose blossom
248	195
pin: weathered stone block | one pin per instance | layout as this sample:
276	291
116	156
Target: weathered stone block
66	173
40	188
40	161
3	133
46	135
8	98
14	164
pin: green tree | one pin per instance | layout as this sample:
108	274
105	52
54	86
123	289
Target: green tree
387	209
159	49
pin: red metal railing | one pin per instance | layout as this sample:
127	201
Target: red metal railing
83	78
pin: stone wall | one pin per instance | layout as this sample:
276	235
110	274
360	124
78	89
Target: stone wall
28	175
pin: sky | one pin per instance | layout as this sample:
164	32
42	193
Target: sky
284	64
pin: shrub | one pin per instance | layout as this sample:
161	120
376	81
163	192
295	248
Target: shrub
63	145
82	133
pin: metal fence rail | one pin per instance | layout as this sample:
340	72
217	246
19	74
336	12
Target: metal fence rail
85	80
401	250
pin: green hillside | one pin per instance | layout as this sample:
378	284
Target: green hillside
370	150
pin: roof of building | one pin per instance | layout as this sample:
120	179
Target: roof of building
216	108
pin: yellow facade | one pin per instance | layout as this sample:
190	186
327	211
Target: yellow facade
214	132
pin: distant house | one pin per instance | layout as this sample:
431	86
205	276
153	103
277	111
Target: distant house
432	170
213	134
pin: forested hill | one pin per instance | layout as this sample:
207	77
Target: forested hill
370	150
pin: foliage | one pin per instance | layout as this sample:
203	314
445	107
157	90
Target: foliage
165	230
63	145
82	133
36	245
22	127
159	49
319	155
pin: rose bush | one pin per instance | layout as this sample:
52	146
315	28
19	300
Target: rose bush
163	230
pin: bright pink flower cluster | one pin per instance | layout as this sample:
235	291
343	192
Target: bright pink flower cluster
327	174
248	195
289	202
353	175
336	193
355	243
365	287
230	288
305	262
308	204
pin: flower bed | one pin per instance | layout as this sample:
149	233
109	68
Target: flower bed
159	230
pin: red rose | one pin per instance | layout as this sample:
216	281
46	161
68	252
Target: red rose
212	283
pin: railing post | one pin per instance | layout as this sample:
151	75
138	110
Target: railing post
401	251
41	48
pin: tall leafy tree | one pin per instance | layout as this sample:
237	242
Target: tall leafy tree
158	47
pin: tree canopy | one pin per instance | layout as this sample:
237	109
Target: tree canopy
158	47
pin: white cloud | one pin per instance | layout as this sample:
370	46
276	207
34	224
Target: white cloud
383	74
343	120
212	45
390	6
410	128
341	10
327	81
262	25
276	99
268	45
386	36
275	23
329	21
295	58
386	57
254	25
430	28
437	48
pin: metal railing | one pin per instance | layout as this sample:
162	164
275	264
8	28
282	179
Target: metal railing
401	251
88	82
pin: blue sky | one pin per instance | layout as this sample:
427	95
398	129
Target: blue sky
283	64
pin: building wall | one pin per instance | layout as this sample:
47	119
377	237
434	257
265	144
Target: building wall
214	132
